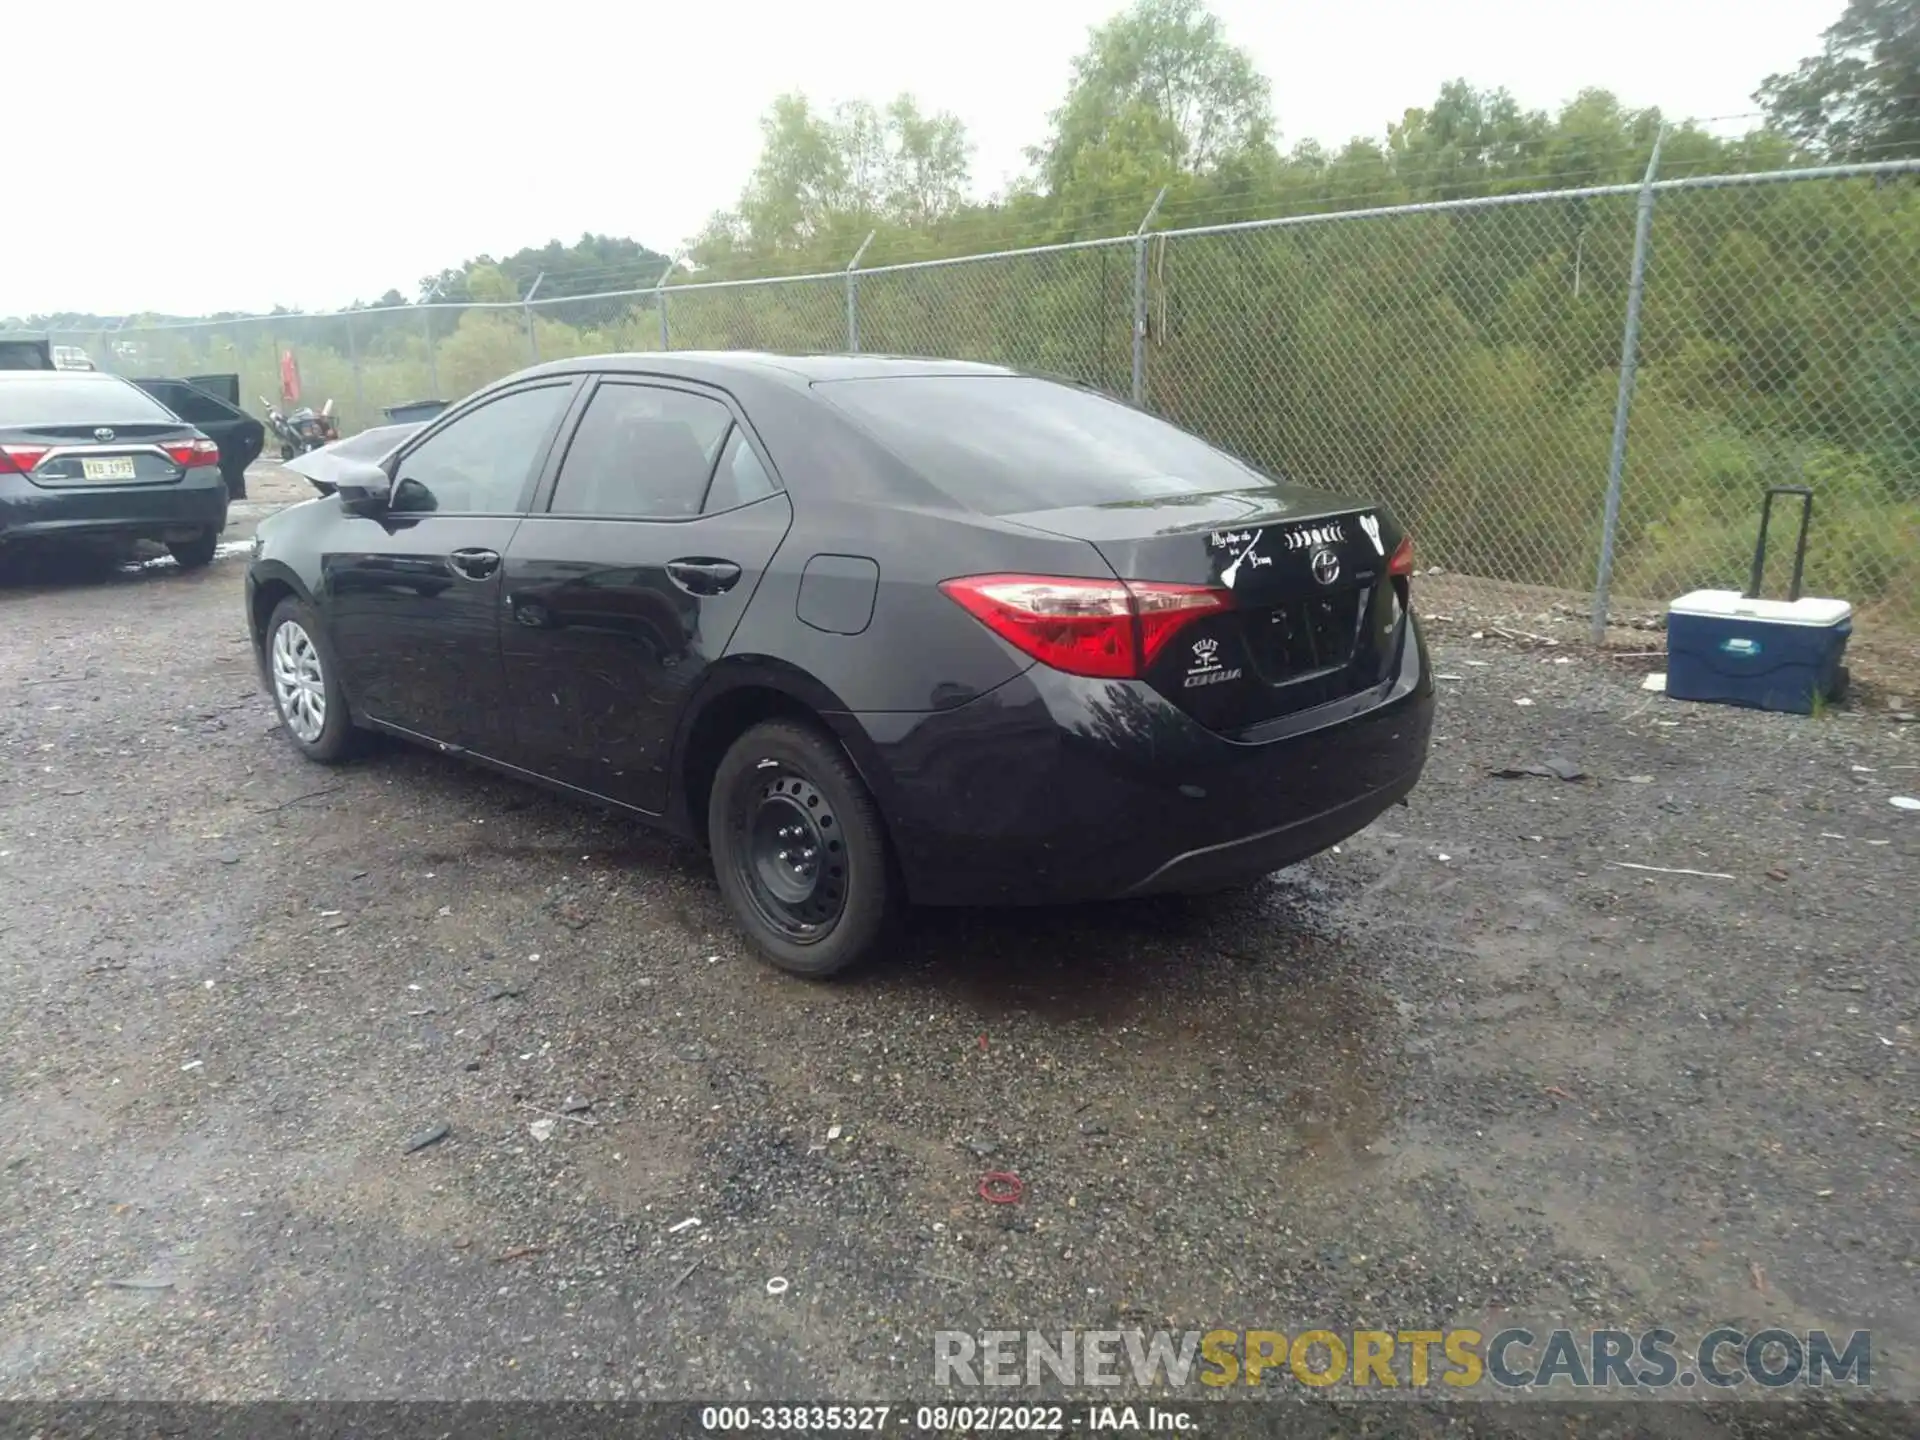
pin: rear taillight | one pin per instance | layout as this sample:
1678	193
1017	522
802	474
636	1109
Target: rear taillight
189	453
1108	629
1402	561
19	459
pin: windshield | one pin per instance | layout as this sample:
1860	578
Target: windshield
1007	444
61	398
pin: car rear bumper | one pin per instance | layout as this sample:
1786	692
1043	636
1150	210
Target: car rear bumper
152	512
1054	788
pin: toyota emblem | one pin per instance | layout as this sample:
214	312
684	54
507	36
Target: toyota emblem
103	434
1326	566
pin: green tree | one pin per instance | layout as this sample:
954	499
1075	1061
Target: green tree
1160	82
1859	98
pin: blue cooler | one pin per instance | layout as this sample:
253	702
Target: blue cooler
1738	649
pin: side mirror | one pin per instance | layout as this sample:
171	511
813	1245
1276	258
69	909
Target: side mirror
364	489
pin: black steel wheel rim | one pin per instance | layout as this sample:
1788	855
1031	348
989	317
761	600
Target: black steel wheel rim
789	854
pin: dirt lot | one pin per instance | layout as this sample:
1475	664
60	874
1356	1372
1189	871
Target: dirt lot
1466	1069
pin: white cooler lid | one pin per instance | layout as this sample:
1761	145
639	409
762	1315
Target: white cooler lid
1732	605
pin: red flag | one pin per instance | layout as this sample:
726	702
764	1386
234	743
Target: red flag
289	378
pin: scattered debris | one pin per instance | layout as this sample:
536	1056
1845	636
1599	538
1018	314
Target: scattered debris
686	1224
1549	769
777	1285
1656	682
576	1107
1556	1090
1449	677
1639	779
228	857
1523	700
1759	1276
1776	873
428	1137
192	1065
541	1129
520	1253
1669	870
1001	1187
1903	802
577	1115
505	992
681	1279
140	1284
833	1132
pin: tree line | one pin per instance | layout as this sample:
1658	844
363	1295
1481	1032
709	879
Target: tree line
1463	361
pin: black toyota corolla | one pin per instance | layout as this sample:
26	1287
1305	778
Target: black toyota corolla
874	631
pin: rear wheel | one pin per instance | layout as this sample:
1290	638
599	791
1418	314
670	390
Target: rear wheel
195	553
306	686
800	851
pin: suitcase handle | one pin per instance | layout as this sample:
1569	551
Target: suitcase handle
1760	545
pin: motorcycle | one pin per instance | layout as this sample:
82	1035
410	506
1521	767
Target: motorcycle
303	431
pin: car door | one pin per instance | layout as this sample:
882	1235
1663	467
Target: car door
629	581
414	590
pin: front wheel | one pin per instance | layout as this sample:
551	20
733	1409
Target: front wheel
800	850
306	686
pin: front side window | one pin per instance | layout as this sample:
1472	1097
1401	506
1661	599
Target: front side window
641	451
481	462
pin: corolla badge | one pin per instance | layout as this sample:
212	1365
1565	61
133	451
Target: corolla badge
1325	565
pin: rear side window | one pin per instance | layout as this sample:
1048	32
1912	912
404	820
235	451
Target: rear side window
641	451
1005	444
739	479
59	397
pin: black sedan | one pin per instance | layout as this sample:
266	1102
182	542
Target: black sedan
87	460
874	631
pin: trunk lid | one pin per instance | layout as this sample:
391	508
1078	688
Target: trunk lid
78	457
1313	617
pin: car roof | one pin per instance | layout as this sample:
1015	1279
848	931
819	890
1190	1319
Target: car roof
88	376
715	365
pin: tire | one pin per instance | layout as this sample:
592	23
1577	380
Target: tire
197	553
787	785
307	660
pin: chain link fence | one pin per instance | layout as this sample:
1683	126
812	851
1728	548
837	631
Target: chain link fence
1463	360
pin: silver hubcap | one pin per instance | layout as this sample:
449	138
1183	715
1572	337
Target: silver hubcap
298	682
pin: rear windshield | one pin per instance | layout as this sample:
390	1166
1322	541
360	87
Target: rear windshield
1006	444
61	398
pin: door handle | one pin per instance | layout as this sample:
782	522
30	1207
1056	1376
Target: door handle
475	564
703	577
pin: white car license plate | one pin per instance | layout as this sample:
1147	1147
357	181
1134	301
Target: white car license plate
119	467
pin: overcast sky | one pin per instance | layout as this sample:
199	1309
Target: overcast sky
208	155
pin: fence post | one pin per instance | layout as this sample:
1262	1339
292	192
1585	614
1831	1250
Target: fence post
359	384
1140	300
526	308
853	291
1623	401
660	301
433	364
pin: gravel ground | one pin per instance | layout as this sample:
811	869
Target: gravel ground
1465	1070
